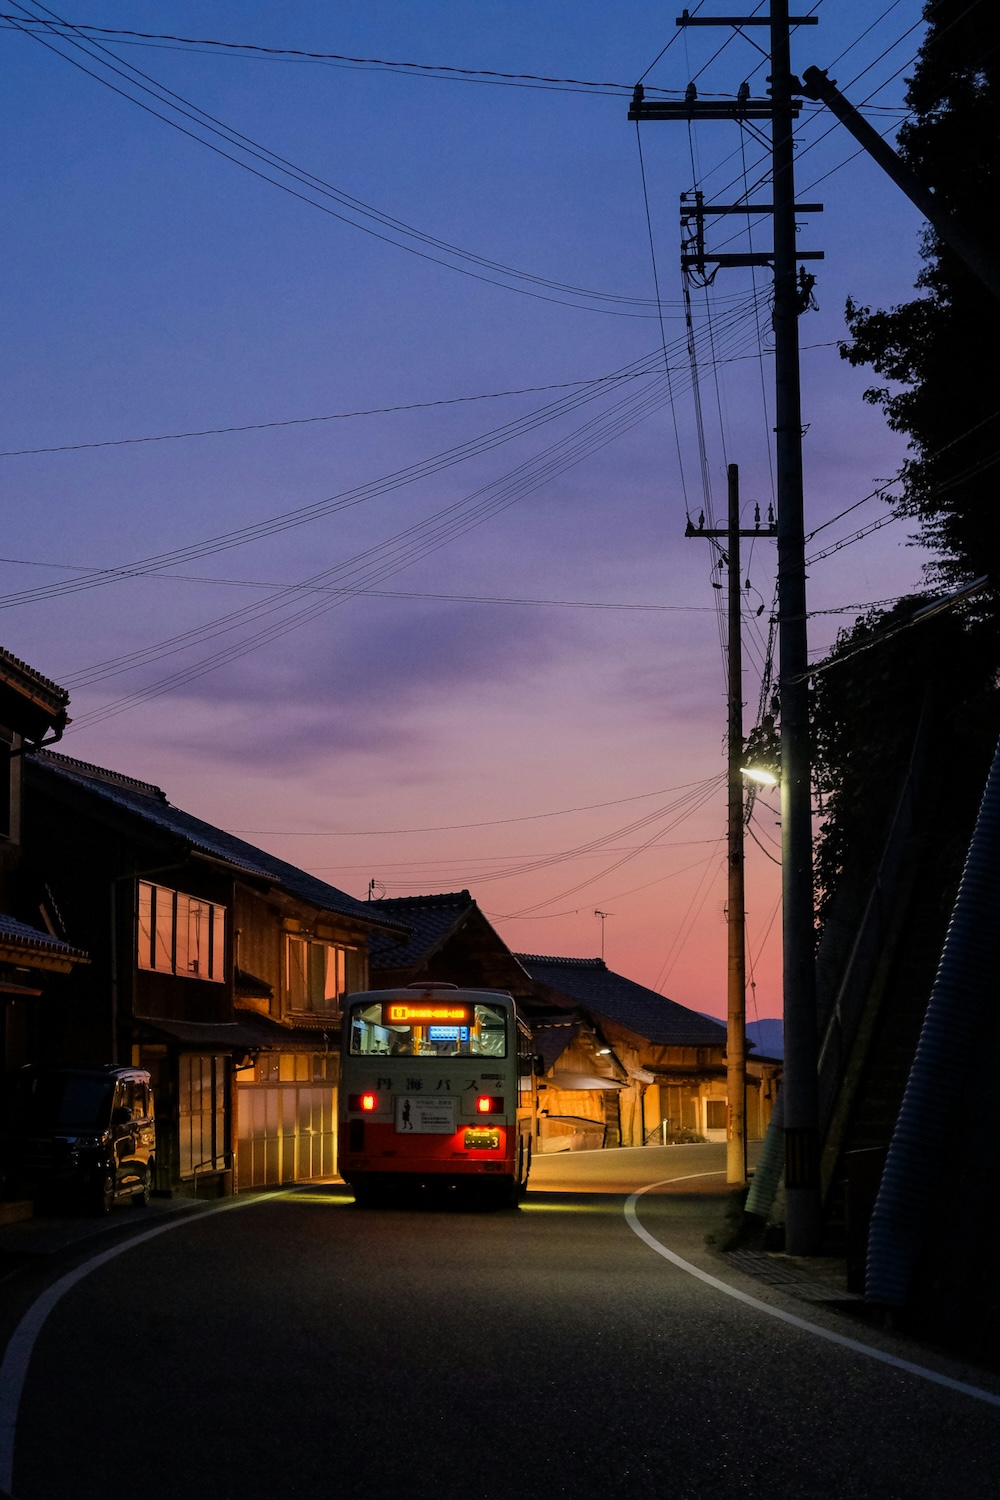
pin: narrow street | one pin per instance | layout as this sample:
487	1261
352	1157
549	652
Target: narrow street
297	1345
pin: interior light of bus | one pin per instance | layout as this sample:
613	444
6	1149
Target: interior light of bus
488	1104
422	1014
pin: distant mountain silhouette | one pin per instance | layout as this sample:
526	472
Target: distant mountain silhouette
769	1037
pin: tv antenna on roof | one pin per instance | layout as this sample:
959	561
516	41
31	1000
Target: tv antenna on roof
604	915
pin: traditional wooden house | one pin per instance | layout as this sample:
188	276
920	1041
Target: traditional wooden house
447	938
215	965
623	1065
636	1068
34	958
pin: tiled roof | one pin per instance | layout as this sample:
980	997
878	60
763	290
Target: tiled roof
430	920
32	938
149	804
16	671
591	983
30	704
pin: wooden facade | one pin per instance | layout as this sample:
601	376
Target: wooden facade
219	968
637	1068
35	958
623	1065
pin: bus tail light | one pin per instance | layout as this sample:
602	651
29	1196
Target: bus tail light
489	1104
366	1103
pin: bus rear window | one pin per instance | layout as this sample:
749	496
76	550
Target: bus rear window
414	1029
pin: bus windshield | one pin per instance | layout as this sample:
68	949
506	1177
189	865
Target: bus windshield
422	1028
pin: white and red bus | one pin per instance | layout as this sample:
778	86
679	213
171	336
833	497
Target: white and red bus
437	1088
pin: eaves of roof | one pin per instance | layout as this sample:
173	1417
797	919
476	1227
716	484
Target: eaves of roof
30	704
147	804
31	940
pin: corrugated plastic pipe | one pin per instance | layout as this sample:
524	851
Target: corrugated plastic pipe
965	985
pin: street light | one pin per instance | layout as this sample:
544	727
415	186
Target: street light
763	774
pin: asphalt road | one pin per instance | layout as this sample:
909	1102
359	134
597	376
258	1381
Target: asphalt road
300	1346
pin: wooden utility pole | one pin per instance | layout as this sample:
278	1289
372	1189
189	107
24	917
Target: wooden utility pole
802	1224
736	989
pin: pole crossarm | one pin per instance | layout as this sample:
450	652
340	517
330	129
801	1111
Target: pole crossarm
686	19
759	258
757	531
695	210
701	109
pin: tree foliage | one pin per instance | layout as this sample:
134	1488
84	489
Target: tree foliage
890	674
939	352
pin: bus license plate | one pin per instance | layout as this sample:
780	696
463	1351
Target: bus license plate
424	1116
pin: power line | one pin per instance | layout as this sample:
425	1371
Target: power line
203	121
614	896
302	515
560	812
310	588
695	805
337	416
414	542
441	534
298	52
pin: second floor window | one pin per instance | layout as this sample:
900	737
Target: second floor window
181	934
315	974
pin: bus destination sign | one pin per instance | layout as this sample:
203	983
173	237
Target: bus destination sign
424	1014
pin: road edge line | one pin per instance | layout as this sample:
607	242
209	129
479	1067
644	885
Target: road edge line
854	1345
21	1344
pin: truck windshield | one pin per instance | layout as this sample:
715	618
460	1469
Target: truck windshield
64	1101
414	1029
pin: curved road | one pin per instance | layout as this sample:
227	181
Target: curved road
298	1346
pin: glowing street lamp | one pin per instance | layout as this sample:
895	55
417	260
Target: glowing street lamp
763	774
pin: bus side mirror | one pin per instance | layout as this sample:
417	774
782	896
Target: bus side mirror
538	1064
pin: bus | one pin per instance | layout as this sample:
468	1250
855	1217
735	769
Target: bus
437	1089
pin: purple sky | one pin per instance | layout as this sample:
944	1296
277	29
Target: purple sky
154	287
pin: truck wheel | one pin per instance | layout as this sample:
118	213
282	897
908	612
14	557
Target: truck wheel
141	1199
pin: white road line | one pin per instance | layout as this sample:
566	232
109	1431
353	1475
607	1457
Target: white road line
17	1357
784	1317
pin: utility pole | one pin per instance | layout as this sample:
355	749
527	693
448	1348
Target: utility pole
800	1080
736	1009
802	1226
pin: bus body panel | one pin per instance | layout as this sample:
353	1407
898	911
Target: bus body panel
424	1117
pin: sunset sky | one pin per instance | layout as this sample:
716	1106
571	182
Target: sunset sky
552	756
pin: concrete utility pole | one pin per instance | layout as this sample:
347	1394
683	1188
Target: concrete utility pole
800	1082
802	1228
736	988
736	1009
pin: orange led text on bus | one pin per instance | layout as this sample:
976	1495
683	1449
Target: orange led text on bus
420	1014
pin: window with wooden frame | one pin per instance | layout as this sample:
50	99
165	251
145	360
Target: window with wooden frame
317	974
181	934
